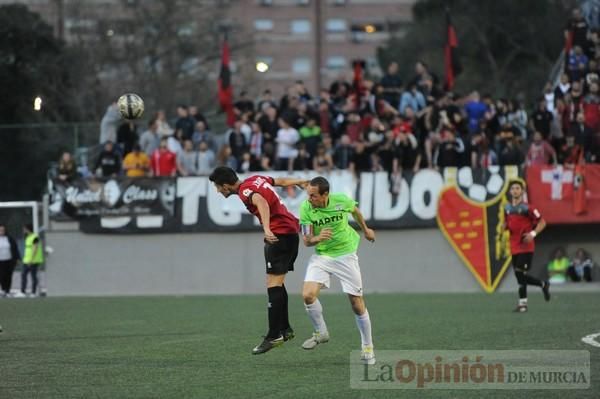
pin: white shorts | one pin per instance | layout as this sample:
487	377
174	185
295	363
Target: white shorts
345	268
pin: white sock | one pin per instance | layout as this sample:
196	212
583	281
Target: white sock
364	326
315	313
523	302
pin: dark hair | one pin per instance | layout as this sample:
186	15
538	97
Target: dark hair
321	183
519	182
29	227
223	175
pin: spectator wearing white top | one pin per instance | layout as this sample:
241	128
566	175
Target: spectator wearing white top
9	255
287	137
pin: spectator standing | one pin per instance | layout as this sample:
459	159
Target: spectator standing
243	104
577	29
9	256
201	133
392	85
136	163
127	136
226	158
187	163
109	161
162	125
33	258
184	124
475	110
109	123
287	137
206	159
150	139
237	141
542	119
163	161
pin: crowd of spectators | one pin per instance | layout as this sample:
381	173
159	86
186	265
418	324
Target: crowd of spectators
397	123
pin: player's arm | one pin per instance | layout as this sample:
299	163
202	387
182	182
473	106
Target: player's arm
539	226
265	215
358	217
288	181
310	240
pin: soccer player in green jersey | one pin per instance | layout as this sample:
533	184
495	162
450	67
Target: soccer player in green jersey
324	221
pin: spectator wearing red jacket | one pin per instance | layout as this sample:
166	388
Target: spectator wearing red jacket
163	161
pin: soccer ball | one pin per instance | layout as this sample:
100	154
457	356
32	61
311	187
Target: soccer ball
131	106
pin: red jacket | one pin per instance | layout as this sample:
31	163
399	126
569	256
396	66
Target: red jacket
163	163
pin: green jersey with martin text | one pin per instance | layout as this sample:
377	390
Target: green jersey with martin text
344	238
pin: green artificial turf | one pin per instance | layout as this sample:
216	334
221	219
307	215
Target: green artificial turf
199	347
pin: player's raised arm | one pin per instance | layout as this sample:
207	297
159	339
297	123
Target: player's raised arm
265	216
288	181
358	217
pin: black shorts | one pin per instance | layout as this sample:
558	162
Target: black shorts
522	262
281	255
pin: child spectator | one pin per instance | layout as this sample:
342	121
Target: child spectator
581	266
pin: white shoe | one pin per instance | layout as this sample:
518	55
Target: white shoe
367	355
316	339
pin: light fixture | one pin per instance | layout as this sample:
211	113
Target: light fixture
262	66
37	103
370	28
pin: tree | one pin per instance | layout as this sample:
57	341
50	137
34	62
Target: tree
32	63
506	47
166	51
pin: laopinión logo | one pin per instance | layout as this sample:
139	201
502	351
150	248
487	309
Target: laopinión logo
470	369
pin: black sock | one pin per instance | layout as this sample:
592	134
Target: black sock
276	302
533	281
522	292
285	321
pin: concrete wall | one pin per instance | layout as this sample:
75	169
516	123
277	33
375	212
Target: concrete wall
232	263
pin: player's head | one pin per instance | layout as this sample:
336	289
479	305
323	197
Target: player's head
318	192
2	229
516	189
28	228
225	180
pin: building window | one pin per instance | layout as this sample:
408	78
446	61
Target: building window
303	2
263	24
266	3
339	2
335	25
336	63
300	27
301	66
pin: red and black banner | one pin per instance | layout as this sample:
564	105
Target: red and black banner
476	232
225	89
452	65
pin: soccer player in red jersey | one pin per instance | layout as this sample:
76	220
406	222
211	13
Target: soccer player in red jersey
524	222
281	242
